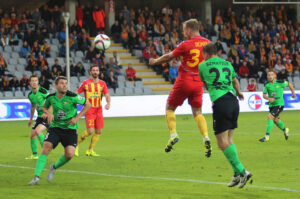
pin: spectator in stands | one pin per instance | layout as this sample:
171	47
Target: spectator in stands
5	84
56	15
133	42
242	51
173	72
24	22
99	60
42	62
75	27
243	70
289	68
130	73
45	49
147	54
62	50
13	38
24	84
52	30
79	69
15	84
32	64
4	41
282	75
44	82
29	37
25	50
73	42
36	15
126	14
99	17
45	14
279	66
143	35
3	66
116	31
263	78
116	59
234	51
35	50
112	66
56	64
124	38
62	35
112	81
90	54
46	72
83	41
252	85
253	69
219	46
55	73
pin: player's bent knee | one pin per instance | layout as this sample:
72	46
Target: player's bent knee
270	117
69	156
98	131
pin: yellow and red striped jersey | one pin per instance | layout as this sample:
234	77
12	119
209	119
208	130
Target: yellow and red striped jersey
93	91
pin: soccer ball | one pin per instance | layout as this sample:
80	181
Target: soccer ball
102	42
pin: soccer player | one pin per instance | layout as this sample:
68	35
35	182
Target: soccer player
188	84
273	92
93	89
219	78
37	98
63	126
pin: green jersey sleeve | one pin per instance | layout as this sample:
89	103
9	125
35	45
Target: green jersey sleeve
266	89
79	100
47	102
200	68
285	84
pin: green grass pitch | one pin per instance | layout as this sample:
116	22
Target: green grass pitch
134	165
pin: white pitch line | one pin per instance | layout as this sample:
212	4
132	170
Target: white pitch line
154	178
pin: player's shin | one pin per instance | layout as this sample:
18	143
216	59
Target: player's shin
269	127
33	145
40	165
171	121
82	137
202	125
231	154
60	162
94	140
280	125
41	138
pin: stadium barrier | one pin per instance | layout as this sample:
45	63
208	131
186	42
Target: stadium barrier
151	105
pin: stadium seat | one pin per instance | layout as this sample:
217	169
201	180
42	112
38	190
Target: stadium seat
73	80
79	54
214	39
53	54
20	68
28	73
1	49
27	93
120	91
121	84
1	95
138	84
82	78
77	59
53	48
121	78
5	55
72	54
19	94
47	40
55	42
16	48
11	68
138	91
61	61
128	91
8	49
243	84
22	61
18	74
147	91
111	91
8	94
13	61
38	73
129	84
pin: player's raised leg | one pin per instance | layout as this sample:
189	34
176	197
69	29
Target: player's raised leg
47	147
39	133
171	122
82	137
281	126
94	140
202	125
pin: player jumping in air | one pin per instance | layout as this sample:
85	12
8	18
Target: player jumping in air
219	78
63	126
273	92
188	84
37	98
93	89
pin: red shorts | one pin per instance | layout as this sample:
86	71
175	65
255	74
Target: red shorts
94	118
191	88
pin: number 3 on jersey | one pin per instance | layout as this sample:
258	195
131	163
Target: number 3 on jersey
195	58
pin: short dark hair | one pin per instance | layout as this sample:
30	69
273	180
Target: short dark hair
272	71
33	76
59	78
192	24
92	66
210	49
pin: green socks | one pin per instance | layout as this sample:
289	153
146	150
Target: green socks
280	125
269	127
60	162
34	145
231	154
41	138
40	165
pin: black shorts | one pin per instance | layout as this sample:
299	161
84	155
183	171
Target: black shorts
67	137
225	113
39	121
276	110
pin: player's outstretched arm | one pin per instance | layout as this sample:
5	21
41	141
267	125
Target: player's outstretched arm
236	86
85	109
108	100
32	109
48	112
162	59
293	90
